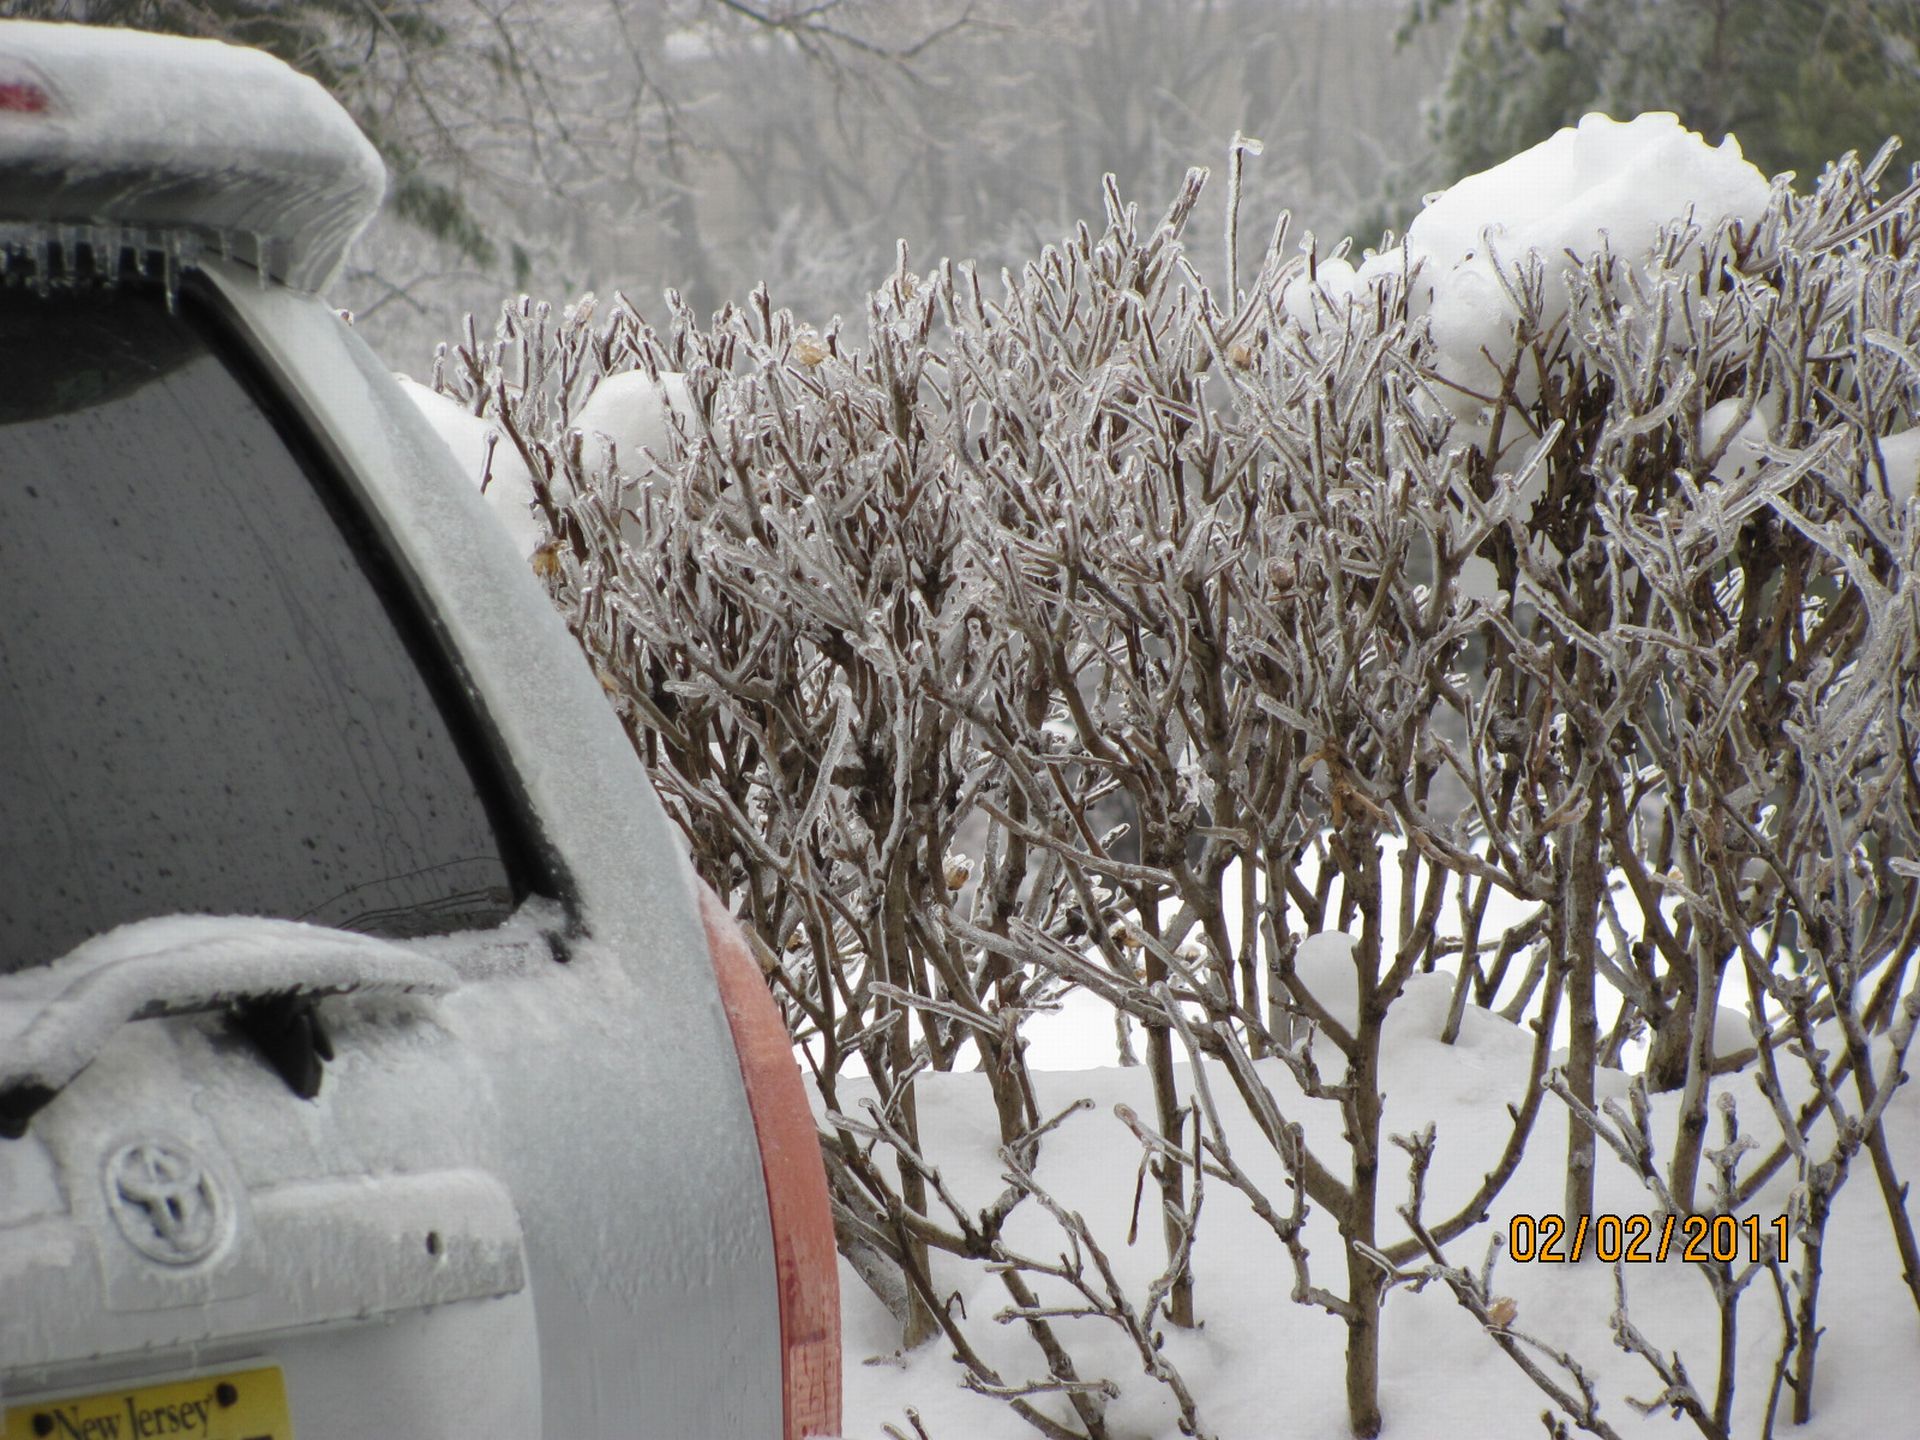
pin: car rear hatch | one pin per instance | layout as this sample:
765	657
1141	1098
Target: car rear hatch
218	703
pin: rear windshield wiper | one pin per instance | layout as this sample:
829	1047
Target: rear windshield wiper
55	1019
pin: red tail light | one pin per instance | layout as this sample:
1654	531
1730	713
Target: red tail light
803	1249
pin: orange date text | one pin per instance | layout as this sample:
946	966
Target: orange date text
1698	1239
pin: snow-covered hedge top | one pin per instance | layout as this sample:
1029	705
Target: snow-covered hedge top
1598	187
1602	187
1636	251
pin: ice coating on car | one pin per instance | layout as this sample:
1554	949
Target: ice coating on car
653	1269
55	1018
150	130
487	458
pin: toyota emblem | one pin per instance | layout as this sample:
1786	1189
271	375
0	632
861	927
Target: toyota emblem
165	1202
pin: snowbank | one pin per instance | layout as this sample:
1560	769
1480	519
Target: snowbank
622	421
626	416
1260	1355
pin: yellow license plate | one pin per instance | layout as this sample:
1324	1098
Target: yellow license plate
242	1405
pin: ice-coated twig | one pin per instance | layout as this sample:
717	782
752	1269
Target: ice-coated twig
1678	1395
1495	1313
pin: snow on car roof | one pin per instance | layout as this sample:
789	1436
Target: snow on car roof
116	128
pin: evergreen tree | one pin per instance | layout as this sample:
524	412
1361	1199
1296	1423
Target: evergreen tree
1797	81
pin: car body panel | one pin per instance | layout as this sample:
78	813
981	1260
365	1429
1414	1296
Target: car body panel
653	1273
575	1137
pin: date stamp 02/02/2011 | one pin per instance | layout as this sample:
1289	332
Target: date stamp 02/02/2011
1724	1239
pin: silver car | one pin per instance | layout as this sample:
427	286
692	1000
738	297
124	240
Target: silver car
372	1062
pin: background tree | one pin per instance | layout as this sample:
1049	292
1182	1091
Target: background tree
556	146
1798	81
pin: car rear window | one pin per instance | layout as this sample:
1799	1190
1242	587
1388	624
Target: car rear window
208	699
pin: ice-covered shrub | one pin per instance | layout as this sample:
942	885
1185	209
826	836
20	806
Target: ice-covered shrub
1091	629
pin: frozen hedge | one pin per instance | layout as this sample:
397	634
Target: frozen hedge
1539	610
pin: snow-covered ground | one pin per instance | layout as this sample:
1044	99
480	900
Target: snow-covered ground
1264	1366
